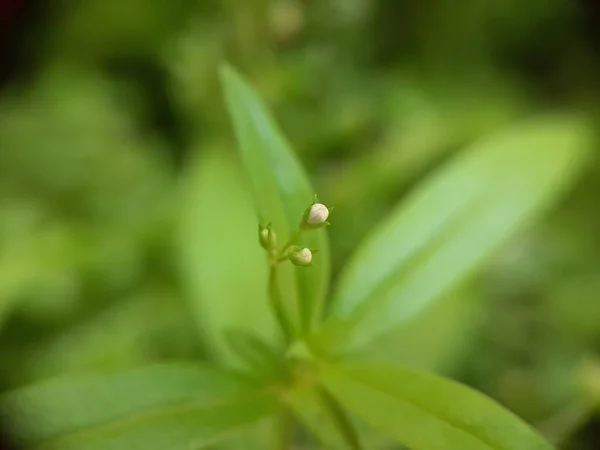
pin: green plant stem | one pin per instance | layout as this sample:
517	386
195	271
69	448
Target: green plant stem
290	242
277	304
284	430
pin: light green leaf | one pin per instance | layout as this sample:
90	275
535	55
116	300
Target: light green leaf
167	406
281	193
446	228
427	412
224	269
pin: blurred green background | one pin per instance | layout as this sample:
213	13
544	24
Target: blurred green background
115	150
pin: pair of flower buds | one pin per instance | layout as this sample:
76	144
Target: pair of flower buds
315	217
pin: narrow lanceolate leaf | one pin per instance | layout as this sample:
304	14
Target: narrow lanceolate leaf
426	412
281	192
452	221
159	407
223	268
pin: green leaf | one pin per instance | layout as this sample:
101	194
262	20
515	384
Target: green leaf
321	414
224	269
281	192
265	361
457	217
427	412
434	340
261	435
167	406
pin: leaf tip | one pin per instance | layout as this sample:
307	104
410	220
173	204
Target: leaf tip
229	74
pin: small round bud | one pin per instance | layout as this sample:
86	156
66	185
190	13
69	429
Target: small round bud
267	237
300	256
315	216
318	214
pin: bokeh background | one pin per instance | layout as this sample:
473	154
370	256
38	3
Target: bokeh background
111	110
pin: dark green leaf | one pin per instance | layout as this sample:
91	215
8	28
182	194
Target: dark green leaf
447	227
166	406
427	412
281	192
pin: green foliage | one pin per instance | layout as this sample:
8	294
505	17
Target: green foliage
318	413
434	339
182	406
425	411
445	229
217	238
171	406
439	132
281	192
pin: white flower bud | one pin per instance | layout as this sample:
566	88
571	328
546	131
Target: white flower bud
315	216
301	257
318	214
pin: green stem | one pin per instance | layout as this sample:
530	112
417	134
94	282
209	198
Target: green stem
277	304
283	433
290	242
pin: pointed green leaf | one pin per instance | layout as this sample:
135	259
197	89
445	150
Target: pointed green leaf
281	191
224	270
446	228
426	412
166	406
